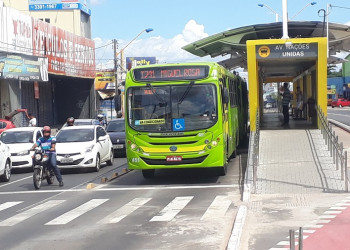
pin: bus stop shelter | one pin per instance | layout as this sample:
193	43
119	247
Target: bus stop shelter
301	59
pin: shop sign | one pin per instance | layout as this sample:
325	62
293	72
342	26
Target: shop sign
68	54
331	91
287	51
105	80
23	67
138	61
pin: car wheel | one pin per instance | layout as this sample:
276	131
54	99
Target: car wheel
7	172
332	107
111	157
340	106
98	164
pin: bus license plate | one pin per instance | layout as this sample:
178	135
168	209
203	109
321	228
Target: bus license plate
173	158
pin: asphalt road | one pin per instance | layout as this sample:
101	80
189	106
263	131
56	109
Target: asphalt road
187	209
340	114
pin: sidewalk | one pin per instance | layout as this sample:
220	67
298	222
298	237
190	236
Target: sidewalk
297	186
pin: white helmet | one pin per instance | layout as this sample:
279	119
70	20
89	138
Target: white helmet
100	116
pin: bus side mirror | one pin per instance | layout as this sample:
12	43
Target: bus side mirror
225	96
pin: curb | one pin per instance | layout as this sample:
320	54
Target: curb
236	234
340	125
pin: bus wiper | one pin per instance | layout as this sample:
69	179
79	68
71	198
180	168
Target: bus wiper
162	102
186	92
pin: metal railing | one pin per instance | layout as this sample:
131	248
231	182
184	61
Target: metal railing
255	156
336	149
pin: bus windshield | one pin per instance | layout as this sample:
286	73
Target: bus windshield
160	108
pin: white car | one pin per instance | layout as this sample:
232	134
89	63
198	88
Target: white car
84	146
20	140
5	162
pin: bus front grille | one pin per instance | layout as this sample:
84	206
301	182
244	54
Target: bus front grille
165	162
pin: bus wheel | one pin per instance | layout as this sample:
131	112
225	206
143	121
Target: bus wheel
234	154
148	173
222	170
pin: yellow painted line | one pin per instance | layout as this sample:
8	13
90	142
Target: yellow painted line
167	150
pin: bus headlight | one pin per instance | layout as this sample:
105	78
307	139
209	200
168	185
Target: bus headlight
133	146
214	143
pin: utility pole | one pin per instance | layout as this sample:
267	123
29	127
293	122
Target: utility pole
116	97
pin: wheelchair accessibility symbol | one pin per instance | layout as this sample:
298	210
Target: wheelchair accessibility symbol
178	124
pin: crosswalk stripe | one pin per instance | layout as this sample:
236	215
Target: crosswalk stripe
30	212
75	213
172	209
9	204
124	211
217	208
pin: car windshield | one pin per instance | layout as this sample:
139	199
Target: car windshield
75	135
17	137
116	126
172	108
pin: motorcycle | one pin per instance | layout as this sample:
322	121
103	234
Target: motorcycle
41	169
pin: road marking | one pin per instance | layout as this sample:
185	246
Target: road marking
9	204
29	213
217	208
124	211
161	187
75	213
172	209
12	182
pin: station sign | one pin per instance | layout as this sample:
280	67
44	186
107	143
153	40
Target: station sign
287	51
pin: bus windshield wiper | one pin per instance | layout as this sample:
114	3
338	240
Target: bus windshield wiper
186	92
162	102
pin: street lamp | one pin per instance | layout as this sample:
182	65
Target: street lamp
273	11
117	98
311	3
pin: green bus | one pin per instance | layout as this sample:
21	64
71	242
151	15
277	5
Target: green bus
187	115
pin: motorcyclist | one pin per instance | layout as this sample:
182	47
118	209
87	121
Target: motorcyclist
101	120
48	144
70	121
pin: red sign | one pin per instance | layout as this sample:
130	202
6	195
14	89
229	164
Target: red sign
36	90
173	158
68	54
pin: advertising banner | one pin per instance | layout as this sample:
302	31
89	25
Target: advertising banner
68	54
105	81
23	67
15	31
137	61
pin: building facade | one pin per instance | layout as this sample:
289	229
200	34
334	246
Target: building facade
61	83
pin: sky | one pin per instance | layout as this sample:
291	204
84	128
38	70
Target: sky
181	22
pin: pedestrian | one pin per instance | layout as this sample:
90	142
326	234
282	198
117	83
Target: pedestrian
48	144
70	121
286	96
32	120
299	108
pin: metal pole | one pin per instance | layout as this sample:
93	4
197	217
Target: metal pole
341	161
301	238
336	152
291	239
285	19
333	138
346	171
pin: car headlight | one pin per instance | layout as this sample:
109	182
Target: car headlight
89	149
25	152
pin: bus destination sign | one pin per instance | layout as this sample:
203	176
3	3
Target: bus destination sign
171	73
